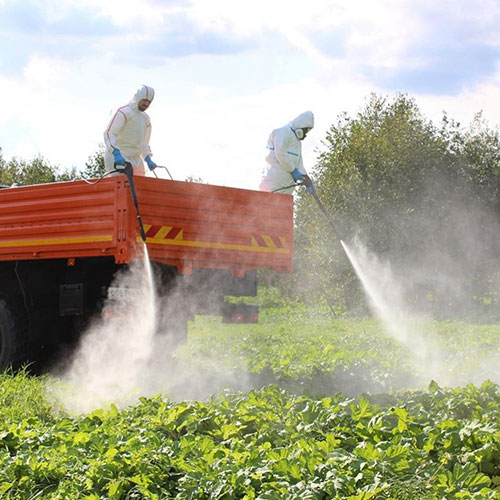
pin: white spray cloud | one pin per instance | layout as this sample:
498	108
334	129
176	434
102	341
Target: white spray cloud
434	355
136	350
113	355
386	296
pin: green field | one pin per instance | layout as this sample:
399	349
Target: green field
307	407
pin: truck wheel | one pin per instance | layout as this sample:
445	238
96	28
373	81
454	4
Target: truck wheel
12	346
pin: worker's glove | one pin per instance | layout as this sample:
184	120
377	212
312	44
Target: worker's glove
297	175
119	159
151	164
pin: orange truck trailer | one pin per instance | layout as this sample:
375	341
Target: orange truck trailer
61	245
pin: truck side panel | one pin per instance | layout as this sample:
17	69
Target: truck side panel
197	225
187	225
67	219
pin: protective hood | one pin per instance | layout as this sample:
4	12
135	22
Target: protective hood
304	120
144	92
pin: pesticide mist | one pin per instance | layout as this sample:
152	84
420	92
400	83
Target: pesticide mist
112	358
132	352
387	292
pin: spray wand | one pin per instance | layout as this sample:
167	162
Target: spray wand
308	183
129	172
325	213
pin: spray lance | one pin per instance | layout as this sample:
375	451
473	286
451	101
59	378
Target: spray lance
129	172
325	213
307	182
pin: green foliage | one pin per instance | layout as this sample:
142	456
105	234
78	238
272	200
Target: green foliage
37	171
94	167
268	443
23	397
409	191
303	351
263	444
2	163
20	172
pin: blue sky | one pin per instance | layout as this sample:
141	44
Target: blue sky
226	72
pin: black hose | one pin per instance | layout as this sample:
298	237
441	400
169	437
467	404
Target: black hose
129	172
295	184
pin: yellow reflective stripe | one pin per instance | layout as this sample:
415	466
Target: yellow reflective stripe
220	246
269	241
56	241
163	232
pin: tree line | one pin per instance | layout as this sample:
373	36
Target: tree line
21	172
422	197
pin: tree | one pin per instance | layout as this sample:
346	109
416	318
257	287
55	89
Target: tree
415	194
3	169
94	167
20	172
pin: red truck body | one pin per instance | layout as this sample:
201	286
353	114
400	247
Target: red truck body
62	244
187	224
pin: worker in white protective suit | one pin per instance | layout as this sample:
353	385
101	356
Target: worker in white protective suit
127	135
284	156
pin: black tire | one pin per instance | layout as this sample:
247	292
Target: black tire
13	338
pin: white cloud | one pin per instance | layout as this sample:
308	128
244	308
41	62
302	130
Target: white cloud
484	96
123	12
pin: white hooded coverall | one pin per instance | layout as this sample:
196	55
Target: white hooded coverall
129	130
284	154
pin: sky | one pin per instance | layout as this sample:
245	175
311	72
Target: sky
227	72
